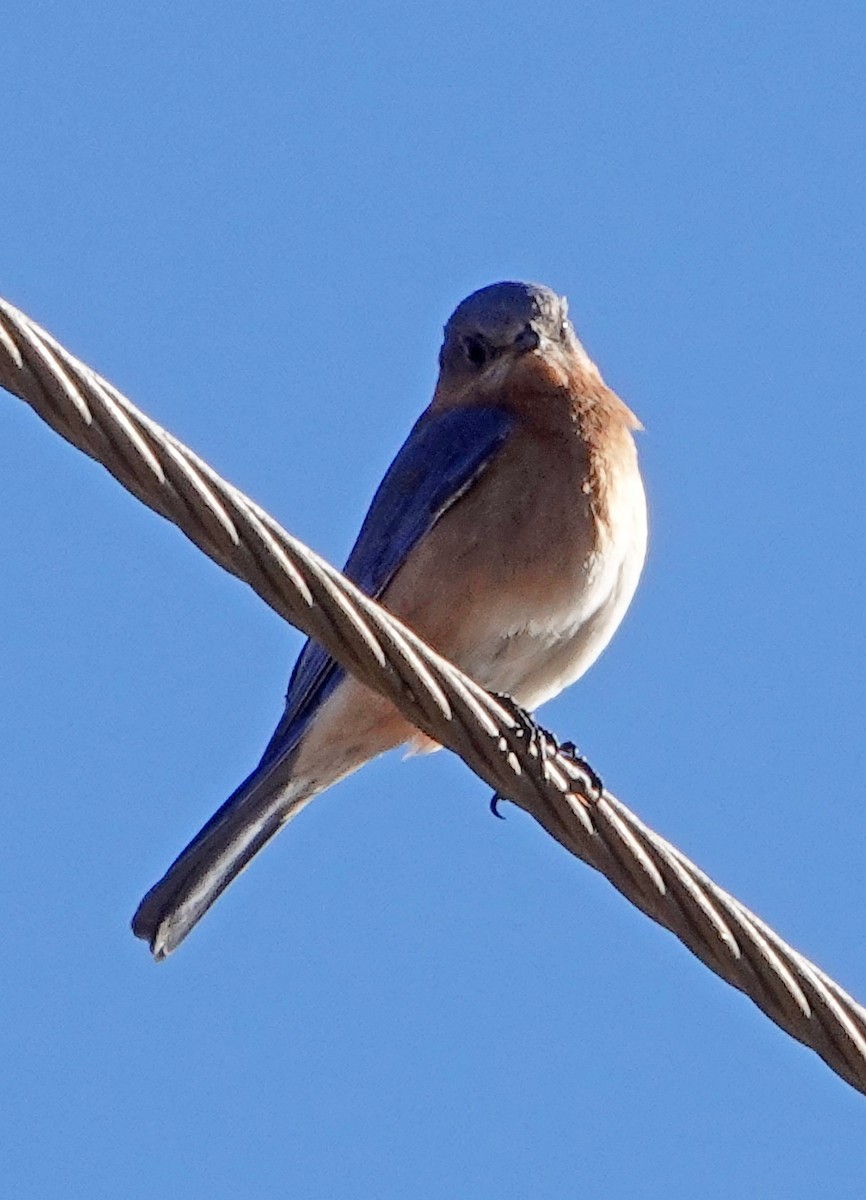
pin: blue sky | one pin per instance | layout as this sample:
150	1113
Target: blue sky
255	221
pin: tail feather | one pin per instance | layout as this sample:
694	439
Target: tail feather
232	837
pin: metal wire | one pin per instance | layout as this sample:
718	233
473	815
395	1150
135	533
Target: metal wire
448	706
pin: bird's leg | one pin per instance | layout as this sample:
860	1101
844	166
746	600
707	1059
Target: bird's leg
546	746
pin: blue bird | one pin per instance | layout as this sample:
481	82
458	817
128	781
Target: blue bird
509	532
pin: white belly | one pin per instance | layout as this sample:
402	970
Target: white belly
545	650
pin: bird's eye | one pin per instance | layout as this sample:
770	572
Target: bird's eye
476	350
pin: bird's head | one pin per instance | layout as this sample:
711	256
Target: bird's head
506	329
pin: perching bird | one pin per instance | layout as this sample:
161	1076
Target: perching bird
509	532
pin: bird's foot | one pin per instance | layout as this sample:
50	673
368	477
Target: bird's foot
574	758
546	746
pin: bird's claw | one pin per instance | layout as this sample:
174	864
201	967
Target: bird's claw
547	746
596	784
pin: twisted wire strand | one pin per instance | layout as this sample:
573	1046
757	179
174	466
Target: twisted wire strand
305	590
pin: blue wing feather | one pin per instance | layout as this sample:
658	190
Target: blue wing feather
444	455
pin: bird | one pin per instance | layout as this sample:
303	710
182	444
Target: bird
509	532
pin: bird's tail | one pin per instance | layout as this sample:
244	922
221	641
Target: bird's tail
250	817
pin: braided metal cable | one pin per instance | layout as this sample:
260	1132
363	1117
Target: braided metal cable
448	706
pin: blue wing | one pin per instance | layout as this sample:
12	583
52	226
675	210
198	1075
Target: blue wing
442	457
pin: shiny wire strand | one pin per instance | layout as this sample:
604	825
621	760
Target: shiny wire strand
305	590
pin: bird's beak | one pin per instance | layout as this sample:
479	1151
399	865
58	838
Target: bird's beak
535	361
527	340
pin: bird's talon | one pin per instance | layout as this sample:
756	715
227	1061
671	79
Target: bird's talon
495	800
594	780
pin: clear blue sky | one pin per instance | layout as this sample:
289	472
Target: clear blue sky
255	219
